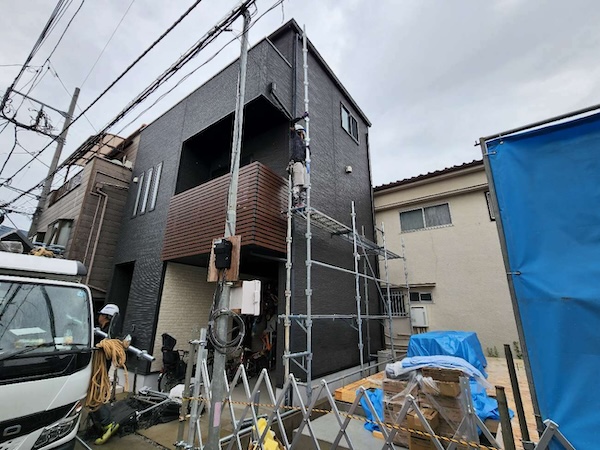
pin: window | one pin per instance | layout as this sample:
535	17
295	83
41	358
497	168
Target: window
59	232
349	123
490	205
140	183
420	297
154	193
146	191
430	217
397	303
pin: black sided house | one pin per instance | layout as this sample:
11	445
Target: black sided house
176	205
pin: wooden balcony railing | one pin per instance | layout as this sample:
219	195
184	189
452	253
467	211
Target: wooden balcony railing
197	216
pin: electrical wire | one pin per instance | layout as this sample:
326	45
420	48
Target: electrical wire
65	31
223	25
43	35
40	73
106	45
154	44
55	73
185	77
216	314
10	152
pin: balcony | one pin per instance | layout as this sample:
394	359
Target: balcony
197	216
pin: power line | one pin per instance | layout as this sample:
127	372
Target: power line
10	152
209	37
36	47
154	44
69	94
16	65
106	45
56	16
185	77
65	31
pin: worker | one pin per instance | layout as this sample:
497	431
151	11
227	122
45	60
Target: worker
102	416
297	164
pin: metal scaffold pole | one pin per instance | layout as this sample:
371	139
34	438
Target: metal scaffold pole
308	322
388	293
288	285
366	295
219	381
357	288
407	303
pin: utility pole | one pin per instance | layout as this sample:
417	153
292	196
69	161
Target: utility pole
218	382
54	164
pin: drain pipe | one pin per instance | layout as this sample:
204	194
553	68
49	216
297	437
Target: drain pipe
103	194
89	241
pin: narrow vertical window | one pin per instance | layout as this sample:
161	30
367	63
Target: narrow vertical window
146	191
154	193
138	194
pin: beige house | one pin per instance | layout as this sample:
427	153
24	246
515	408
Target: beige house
456	276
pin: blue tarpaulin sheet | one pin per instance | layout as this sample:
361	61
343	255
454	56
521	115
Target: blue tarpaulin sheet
463	344
547	184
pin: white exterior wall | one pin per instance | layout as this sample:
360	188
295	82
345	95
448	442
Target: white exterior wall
462	261
184	306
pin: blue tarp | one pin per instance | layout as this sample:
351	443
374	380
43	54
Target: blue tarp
376	397
463	344
547	184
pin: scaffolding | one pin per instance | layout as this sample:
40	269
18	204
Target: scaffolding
362	248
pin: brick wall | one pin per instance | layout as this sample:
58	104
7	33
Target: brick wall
184	306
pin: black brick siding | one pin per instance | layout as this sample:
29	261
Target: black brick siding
334	343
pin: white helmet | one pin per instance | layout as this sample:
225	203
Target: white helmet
109	310
299	127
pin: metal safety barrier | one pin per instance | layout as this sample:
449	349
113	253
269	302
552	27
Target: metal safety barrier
247	423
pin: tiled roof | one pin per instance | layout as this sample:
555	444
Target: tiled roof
474	163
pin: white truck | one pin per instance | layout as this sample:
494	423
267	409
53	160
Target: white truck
46	339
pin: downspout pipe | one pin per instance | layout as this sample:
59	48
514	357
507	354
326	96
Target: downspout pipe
103	194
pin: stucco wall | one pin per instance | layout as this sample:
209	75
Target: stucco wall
463	261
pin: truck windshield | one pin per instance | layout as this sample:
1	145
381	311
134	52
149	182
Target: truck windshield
40	318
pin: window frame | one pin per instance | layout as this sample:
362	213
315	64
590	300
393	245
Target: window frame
424	218
155	185
144	204
138	195
398	303
490	206
352	126
420	297
54	232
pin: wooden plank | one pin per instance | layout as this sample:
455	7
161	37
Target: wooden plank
348	393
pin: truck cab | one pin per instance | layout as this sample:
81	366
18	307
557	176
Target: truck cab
46	340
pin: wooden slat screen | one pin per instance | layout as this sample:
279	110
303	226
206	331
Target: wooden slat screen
197	216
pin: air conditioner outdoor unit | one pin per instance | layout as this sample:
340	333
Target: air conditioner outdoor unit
418	316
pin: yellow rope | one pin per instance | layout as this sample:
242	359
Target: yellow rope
100	388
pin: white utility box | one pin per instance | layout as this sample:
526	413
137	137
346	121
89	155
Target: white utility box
246	298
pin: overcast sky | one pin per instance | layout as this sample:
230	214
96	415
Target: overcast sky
431	75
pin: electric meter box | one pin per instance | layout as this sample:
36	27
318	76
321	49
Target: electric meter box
223	249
